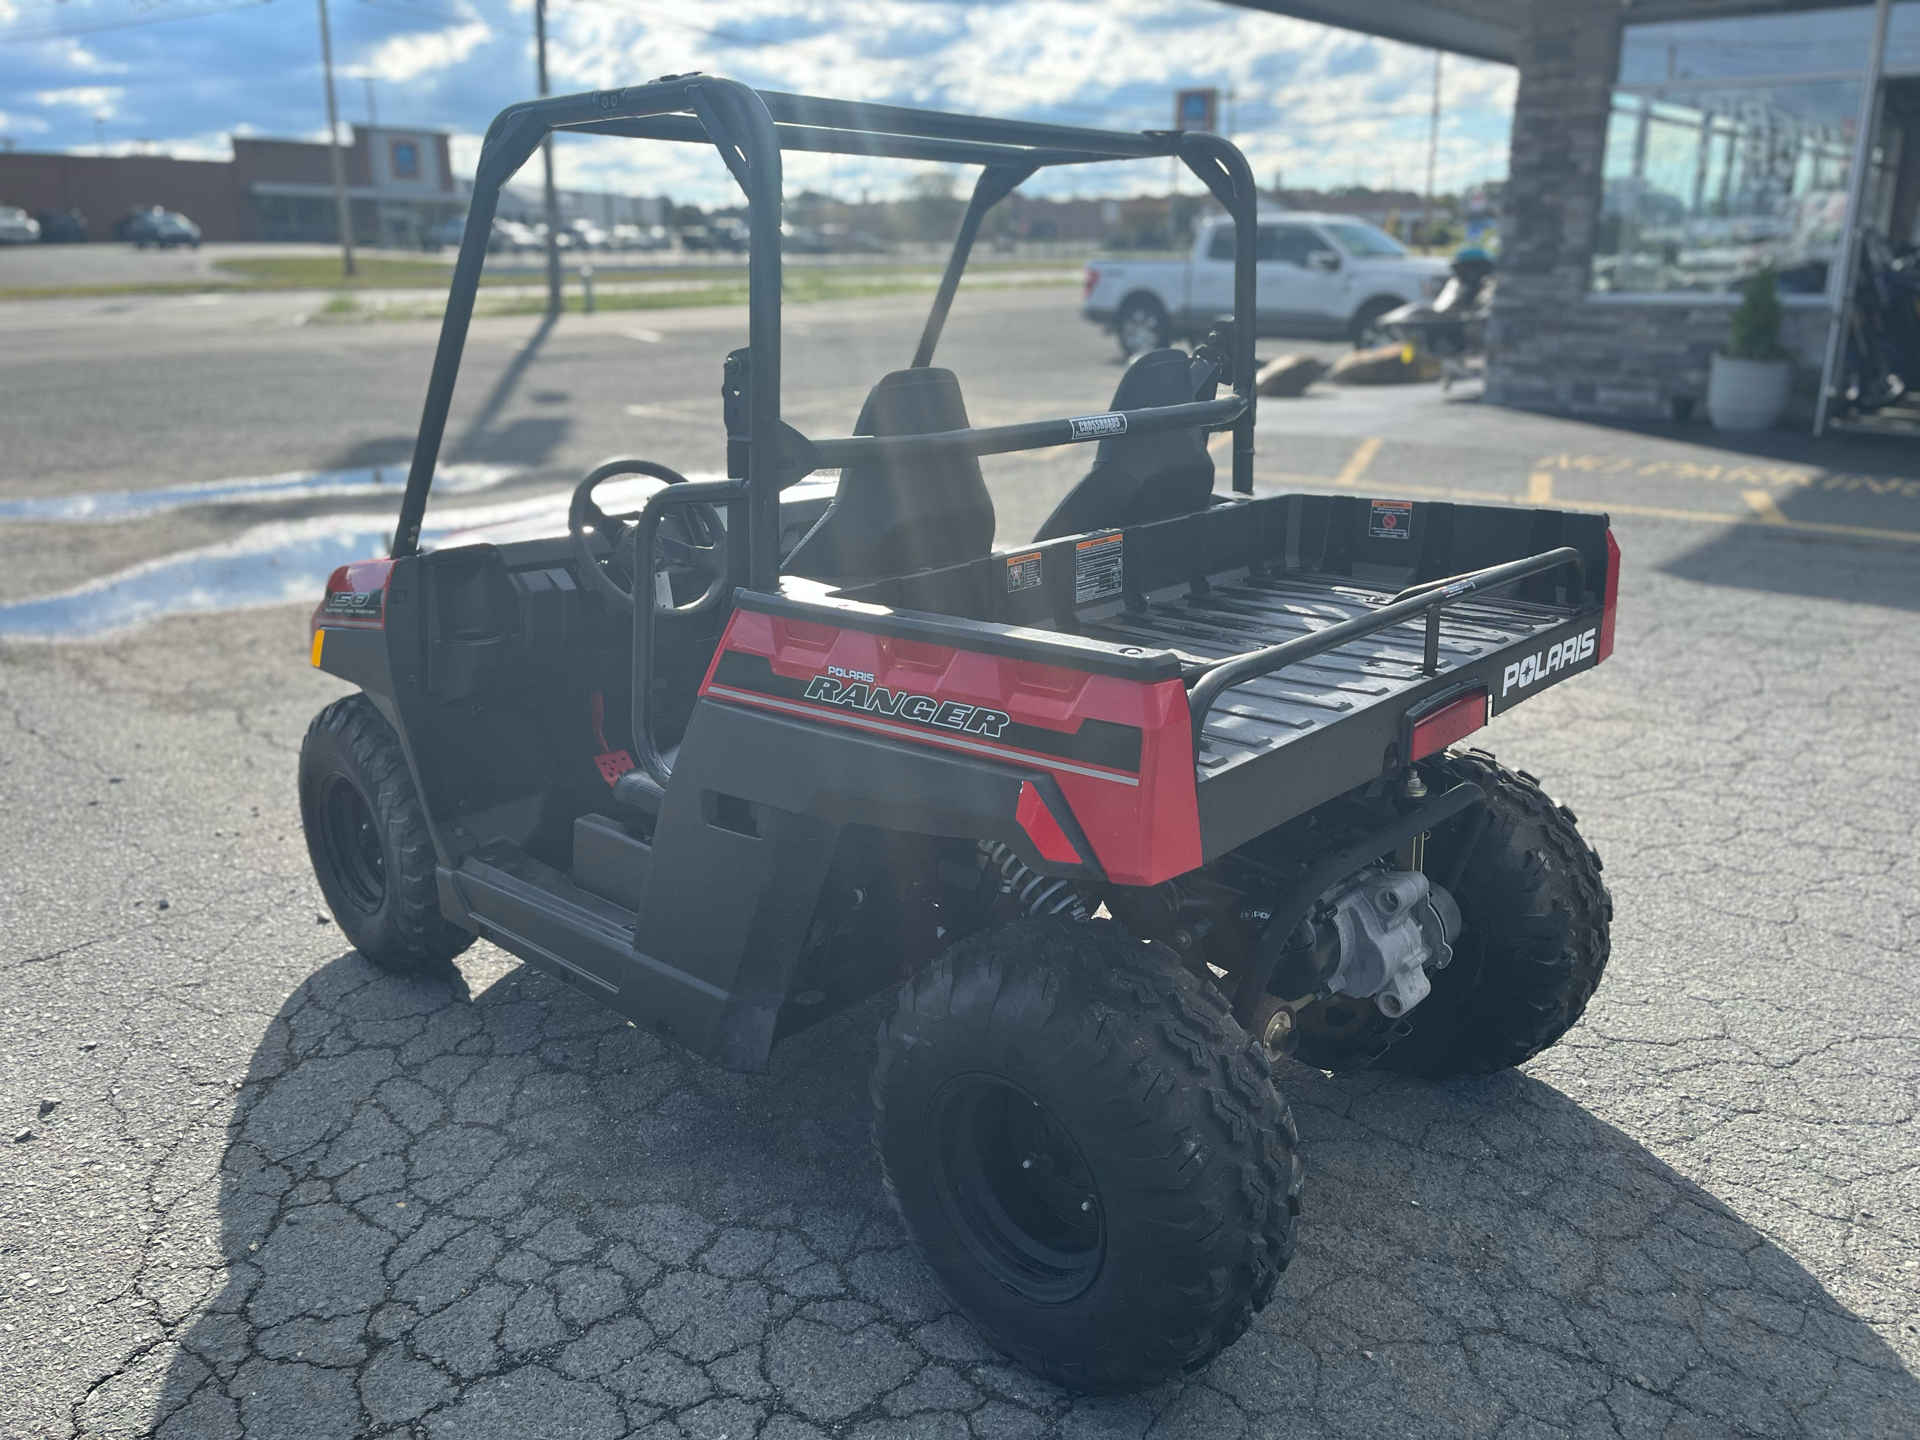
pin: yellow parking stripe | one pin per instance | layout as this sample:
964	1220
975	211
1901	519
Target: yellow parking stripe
1357	462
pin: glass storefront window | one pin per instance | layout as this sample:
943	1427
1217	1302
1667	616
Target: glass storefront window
1805	42
1903	39
1728	148
1704	187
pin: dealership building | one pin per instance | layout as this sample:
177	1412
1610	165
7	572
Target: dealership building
1662	153
400	184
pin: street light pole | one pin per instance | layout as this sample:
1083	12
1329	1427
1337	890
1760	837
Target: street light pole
343	213
554	300
1433	152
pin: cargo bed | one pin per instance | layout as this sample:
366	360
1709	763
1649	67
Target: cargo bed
1188	596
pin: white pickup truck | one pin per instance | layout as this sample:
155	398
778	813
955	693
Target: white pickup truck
1326	276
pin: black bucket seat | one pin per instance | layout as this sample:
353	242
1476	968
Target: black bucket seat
1136	478
893	515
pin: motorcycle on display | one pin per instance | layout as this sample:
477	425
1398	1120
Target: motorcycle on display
1453	329
1880	361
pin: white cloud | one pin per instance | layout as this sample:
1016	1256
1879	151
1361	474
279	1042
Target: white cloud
406	57
101	99
1321	106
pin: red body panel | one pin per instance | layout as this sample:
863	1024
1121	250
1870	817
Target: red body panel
355	599
1143	824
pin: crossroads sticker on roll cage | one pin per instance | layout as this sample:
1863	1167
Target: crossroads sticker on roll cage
1098	427
1023	572
1097	567
1391	520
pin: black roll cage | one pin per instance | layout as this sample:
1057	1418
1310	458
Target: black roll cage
750	128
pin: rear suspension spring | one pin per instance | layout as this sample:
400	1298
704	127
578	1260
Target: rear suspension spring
1037	894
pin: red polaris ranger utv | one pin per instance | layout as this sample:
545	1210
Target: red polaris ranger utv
1127	812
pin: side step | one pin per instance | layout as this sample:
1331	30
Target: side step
581	939
609	861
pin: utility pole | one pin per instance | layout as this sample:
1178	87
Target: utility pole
554	300
1433	152
373	168
343	213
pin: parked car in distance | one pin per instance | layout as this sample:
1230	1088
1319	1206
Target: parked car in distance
62	227
17	227
163	229
1324	276
586	235
517	237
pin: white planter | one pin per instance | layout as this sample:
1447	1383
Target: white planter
1747	394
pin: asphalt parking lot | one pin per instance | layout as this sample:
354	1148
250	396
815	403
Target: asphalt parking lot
253	1187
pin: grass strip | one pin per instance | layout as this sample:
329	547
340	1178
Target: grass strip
349	308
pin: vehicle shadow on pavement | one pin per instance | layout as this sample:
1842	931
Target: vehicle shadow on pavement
1754	558
512	1214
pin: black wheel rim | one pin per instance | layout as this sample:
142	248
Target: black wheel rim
352	844
1016	1189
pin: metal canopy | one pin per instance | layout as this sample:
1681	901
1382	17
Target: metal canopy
1484	29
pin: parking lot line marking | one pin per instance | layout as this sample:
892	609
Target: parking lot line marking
1652	512
1540	488
1761	503
1220	441
1357	462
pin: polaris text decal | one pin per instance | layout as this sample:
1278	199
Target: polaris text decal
871	699
1524	674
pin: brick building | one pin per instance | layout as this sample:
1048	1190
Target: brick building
1663	151
400	184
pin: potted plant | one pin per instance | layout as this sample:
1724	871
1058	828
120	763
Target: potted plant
1747	385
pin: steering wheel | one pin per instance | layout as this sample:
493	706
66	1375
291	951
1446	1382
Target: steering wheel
708	560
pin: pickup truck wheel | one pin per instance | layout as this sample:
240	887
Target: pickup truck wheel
1087	1151
1142	325
1532	946
367	836
1367	334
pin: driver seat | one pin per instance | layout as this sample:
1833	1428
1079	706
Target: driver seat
895	515
1137	478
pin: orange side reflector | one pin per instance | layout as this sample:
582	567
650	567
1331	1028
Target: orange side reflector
319	639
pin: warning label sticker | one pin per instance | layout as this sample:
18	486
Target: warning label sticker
1023	572
1096	567
1392	519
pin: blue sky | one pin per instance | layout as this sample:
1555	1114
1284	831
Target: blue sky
1321	107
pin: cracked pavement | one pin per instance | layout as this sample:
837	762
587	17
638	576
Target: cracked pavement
265	1190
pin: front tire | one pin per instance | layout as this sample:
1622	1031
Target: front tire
1087	1151
1367	333
1533	942
367	837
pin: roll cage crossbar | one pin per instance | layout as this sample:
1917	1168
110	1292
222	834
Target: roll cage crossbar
750	128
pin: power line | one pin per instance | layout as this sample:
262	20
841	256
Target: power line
68	31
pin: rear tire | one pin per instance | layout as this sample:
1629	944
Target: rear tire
1087	1150
1532	947
1142	325
367	837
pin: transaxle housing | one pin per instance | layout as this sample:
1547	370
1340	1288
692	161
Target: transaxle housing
1390	926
